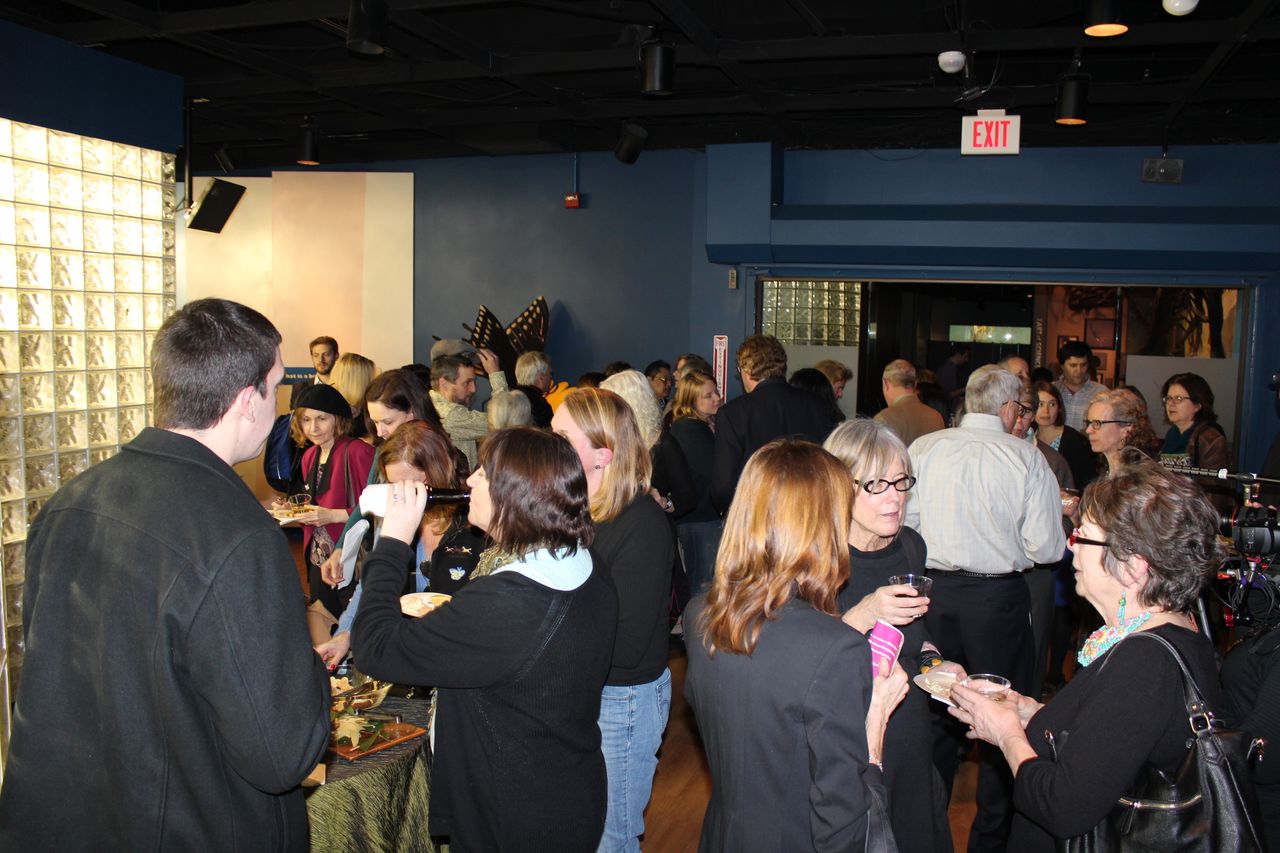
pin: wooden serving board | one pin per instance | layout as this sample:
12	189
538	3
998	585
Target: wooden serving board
396	733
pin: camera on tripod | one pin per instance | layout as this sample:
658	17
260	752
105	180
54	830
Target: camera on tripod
1252	530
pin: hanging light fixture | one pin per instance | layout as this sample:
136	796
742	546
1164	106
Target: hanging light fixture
1102	19
1073	97
367	27
630	143
308	142
657	65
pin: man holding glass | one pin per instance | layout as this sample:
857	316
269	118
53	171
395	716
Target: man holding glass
169	687
988	508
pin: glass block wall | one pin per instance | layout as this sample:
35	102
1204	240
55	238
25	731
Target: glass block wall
87	275
811	312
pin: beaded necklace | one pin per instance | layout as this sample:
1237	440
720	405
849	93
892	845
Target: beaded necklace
1106	637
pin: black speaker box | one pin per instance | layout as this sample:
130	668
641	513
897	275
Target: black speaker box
1162	170
216	206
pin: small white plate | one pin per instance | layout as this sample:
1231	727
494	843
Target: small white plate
928	682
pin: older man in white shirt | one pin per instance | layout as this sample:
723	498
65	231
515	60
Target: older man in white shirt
988	508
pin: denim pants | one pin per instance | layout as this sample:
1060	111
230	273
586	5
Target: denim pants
632	720
699	542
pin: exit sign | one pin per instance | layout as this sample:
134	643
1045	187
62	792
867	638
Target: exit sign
990	132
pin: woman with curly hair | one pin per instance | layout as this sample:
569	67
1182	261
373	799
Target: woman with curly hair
1118	419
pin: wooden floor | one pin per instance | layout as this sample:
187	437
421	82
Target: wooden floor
682	785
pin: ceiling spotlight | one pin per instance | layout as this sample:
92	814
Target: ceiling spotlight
1180	7
630	143
224	160
657	65
1102	19
1073	97
308	142
367	27
951	61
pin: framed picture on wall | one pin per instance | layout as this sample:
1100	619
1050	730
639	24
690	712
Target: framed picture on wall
1062	341
1104	360
1100	333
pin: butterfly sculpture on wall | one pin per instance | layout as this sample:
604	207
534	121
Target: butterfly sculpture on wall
526	333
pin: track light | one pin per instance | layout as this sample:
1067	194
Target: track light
367	27
1103	19
308	142
657	65
1073	97
630	143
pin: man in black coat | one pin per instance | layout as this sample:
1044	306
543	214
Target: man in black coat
170	698
770	409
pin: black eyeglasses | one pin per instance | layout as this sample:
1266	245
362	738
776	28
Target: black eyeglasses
1096	424
1076	539
1174	398
1023	411
879	487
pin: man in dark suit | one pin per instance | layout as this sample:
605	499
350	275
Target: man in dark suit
770	409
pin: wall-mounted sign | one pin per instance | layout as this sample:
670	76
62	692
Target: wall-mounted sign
990	132
720	363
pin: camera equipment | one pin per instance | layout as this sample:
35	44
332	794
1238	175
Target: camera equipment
1253	530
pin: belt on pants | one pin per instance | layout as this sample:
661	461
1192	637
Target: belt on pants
961	573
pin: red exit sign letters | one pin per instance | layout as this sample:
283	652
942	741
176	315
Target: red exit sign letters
990	132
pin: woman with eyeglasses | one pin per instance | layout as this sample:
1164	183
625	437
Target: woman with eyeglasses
1115	420
789	711
1146	545
880	548
1194	438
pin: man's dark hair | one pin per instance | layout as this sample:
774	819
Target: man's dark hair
654	366
447	367
615	367
324	339
206	354
1074	349
538	491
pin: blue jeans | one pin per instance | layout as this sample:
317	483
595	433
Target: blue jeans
632	720
699	541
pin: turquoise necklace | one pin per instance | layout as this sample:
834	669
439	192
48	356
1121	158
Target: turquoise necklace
1107	636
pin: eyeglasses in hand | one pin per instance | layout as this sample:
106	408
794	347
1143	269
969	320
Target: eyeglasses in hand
879	487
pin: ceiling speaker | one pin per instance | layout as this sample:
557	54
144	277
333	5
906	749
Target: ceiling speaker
216	206
1162	170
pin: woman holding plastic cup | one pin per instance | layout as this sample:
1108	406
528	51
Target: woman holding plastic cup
887	582
1146	545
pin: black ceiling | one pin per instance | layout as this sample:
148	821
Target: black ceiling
468	77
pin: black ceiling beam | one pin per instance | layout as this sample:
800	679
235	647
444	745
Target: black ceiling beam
812	21
232	52
1224	51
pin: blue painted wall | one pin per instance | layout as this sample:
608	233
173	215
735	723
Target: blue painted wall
54	83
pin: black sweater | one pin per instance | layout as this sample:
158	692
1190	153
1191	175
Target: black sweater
638	548
698	443
1122	712
520	668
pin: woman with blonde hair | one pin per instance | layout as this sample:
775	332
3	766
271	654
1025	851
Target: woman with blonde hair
791	716
882	550
687	448
351	375
634	388
636	544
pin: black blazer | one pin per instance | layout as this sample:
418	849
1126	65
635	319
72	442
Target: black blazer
773	410
1074	446
785	735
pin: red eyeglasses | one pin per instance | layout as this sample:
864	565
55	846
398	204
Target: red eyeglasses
1076	539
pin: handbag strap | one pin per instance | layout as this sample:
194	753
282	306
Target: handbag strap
346	471
1198	714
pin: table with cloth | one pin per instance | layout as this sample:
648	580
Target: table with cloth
378	802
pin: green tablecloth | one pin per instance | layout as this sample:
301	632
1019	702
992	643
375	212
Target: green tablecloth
378	803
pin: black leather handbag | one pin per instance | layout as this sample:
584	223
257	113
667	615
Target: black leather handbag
1208	807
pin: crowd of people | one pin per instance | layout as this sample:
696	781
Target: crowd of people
786	533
